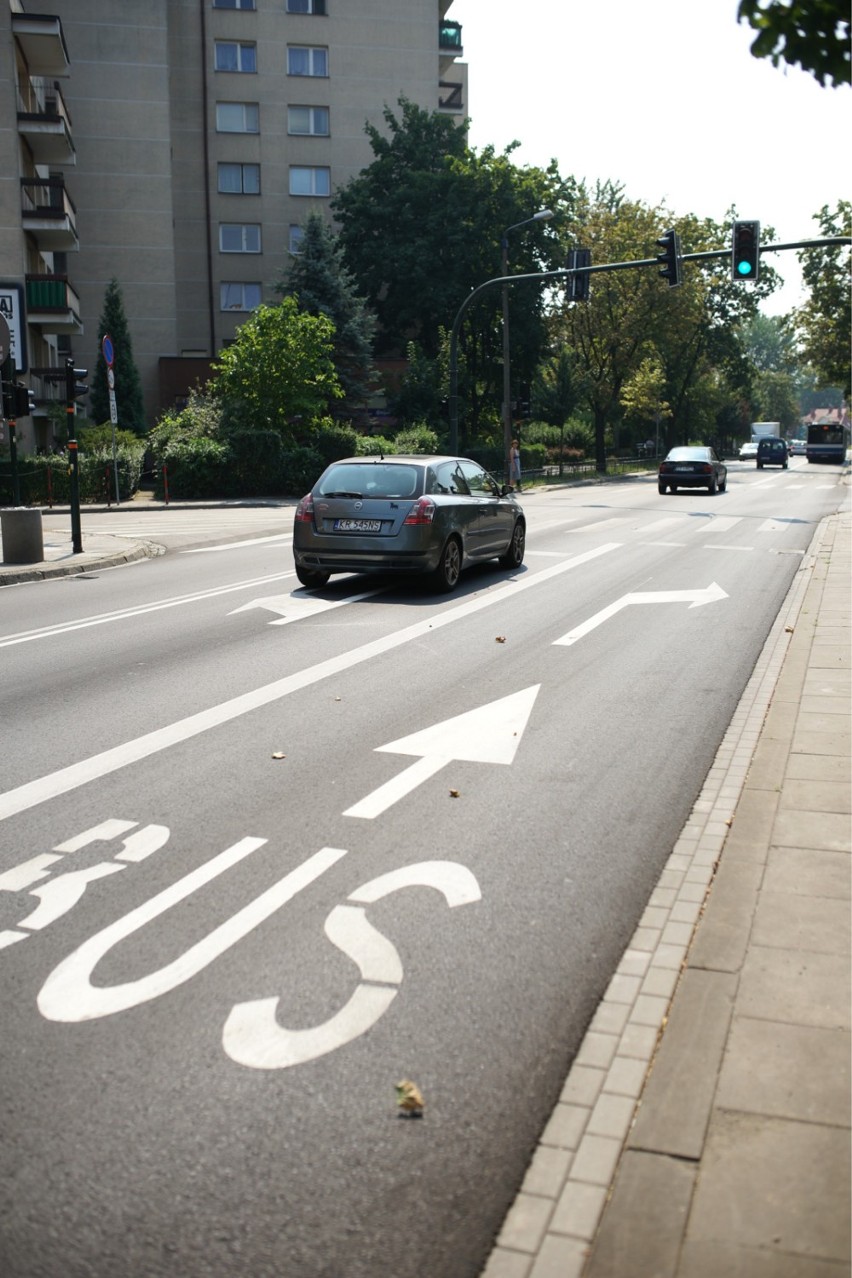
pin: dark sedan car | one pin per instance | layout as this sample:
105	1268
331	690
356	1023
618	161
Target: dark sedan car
692	468
413	514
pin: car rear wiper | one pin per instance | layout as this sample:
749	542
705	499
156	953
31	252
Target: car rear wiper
342	493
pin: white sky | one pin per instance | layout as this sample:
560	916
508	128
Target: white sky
665	97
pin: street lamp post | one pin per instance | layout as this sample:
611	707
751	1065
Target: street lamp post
543	215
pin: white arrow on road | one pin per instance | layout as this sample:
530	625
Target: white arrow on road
489	734
295	606
695	598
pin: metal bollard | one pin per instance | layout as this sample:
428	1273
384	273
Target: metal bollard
21	535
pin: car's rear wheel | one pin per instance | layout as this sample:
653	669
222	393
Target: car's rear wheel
673	487
661	488
446	575
513	556
312	577
711	487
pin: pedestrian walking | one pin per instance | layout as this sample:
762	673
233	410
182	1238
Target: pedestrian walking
515	466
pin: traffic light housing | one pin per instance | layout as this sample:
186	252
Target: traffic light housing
669	259
745	252
578	285
75	388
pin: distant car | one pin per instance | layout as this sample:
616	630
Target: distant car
797	447
748	452
692	468
406	514
771	452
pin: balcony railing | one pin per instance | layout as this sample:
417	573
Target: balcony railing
52	304
44	121
450	36
48	212
452	98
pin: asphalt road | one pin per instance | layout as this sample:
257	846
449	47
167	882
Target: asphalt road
264	853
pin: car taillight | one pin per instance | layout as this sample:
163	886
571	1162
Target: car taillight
422	512
305	510
665	468
707	469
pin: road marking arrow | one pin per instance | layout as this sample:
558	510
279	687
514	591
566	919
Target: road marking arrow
295	606
489	734
695	598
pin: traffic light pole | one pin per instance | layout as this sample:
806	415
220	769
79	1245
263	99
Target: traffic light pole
8	376
567	272
73	461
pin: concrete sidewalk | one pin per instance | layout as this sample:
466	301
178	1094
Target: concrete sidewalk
704	1128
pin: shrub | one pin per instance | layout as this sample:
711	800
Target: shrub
196	468
419	438
302	468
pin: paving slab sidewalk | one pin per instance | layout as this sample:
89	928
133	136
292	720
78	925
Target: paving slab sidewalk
704	1128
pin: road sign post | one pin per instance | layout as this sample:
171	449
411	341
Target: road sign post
108	351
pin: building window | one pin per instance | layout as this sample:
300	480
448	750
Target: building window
239	297
310	180
297	234
306	6
237	117
233	4
239	179
230	55
302	60
239	237
308	120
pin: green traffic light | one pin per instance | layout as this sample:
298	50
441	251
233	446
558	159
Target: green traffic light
744	268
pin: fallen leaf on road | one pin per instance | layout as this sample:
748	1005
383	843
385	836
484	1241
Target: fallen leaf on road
279	754
454	794
500	639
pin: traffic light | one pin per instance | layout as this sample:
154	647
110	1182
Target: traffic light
22	400
745	254
75	388
669	259
578	285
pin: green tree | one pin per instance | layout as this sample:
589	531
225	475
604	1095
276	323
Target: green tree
813	34
643	395
279	373
421	227
823	323
128	387
323	285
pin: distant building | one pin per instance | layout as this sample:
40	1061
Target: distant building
195	136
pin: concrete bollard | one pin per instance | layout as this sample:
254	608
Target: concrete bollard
21	535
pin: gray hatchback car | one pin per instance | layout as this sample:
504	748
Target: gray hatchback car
410	514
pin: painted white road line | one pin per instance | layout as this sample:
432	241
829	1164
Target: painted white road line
104	618
487	734
695	598
774	525
709	545
70	778
601	523
238	545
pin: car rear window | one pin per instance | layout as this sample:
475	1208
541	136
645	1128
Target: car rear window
379	479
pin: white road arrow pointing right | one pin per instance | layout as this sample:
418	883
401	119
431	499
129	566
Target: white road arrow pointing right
695	598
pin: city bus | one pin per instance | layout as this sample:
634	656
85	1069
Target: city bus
827	442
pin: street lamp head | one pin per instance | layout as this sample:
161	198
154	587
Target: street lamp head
543	215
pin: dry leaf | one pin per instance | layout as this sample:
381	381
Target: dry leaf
500	639
454	794
279	754
789	630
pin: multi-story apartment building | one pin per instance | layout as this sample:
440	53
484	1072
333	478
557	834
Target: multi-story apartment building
201	133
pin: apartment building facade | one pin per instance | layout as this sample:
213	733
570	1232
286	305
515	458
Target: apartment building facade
199	134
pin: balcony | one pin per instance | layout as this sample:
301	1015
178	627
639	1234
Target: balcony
40	38
451	98
449	42
48	213
52	304
44	123
48	385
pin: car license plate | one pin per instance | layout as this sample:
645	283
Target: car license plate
687	468
357	525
